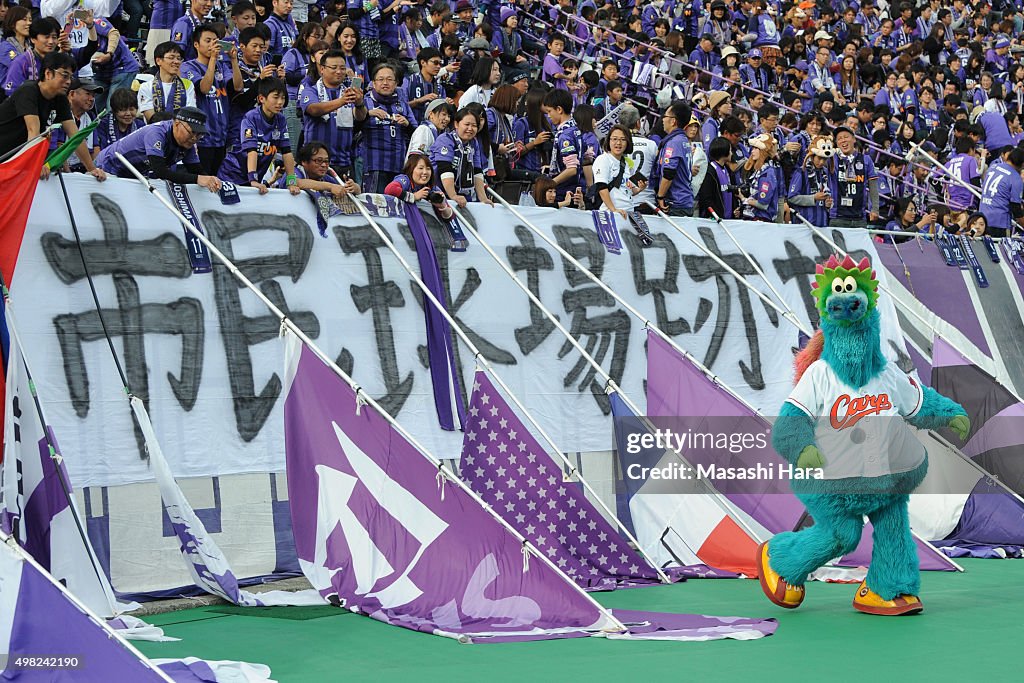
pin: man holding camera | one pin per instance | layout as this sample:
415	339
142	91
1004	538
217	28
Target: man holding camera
330	111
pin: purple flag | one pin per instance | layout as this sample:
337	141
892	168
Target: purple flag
38	619
377	530
675	386
380	530
506	466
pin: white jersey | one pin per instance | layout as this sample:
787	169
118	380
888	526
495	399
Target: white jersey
700	162
861	432
641	160
606	169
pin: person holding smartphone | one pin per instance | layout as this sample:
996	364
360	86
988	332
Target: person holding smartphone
215	82
330	111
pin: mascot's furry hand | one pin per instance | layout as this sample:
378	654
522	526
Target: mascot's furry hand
810	457
961	425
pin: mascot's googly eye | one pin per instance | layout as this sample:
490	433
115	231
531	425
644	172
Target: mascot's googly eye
849	284
837	286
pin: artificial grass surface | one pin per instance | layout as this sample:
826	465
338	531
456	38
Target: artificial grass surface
972	627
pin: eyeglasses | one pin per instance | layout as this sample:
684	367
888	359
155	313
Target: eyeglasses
435	62
64	75
332	67
321	161
668	116
384	79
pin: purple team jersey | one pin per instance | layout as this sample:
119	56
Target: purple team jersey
155	140
214	103
257	134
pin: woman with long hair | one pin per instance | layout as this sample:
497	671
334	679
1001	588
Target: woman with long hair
16	27
532	131
846	79
485	78
355	62
499	116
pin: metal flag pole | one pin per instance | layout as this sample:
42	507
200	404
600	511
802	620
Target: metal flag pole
750	259
786	313
483	362
73	599
361	396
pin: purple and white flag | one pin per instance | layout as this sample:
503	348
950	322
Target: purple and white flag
37	505
38	619
380	530
206	563
506	467
79	646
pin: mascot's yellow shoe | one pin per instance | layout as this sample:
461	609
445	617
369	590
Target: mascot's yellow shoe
870	602
774	586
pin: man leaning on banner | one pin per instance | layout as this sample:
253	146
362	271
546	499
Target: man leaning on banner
35	105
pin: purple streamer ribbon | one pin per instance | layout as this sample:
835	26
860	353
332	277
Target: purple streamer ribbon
444	375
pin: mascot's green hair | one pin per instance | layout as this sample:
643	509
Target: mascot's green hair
861	272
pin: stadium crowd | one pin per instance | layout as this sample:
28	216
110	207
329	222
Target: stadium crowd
905	116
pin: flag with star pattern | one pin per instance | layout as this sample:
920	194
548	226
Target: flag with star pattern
509	469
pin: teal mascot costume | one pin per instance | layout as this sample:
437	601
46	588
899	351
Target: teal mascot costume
847	416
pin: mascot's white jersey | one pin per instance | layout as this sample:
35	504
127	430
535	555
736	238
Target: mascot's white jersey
861	431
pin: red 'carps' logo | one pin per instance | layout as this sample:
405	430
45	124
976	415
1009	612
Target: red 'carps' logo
847	411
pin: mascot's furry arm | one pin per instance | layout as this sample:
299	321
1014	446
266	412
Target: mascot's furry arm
938	411
792	432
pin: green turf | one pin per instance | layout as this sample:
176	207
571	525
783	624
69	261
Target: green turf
972	623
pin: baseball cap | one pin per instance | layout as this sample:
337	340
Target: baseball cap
822	35
86	84
754	54
801	65
195	119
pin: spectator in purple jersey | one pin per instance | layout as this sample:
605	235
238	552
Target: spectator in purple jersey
122	120
567	157
155	150
331	110
366	17
215	83
283	30
252	43
968	167
425	86
161	19
113	66
386	131
553	72
262	135
181	32
44	34
243	16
